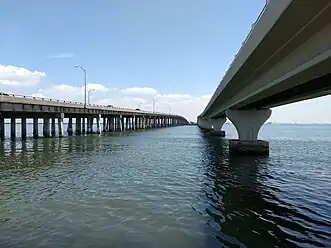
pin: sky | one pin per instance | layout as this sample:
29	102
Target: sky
175	51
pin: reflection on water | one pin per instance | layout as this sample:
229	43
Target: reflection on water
174	187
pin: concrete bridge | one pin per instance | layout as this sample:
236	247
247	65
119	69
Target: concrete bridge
54	111
285	58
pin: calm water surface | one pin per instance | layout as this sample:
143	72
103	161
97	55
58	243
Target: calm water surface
174	187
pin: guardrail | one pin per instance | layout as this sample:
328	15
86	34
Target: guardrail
56	102
247	37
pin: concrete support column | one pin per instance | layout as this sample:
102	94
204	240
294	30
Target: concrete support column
35	128
122	123
13	128
83	125
90	121
110	124
2	128
23	128
53	133
134	122
204	124
126	123
46	129
217	125
248	124
69	128
60	125
78	126
99	124
104	124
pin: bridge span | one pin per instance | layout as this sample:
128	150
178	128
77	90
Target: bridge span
53	112
285	58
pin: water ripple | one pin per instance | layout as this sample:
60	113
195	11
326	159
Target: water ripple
173	187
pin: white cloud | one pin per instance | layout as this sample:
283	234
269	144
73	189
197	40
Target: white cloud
62	56
183	104
140	91
19	76
96	87
70	92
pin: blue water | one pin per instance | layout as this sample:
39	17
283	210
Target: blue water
170	187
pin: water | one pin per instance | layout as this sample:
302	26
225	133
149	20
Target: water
173	187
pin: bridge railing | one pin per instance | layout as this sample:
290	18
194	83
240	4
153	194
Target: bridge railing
57	102
248	36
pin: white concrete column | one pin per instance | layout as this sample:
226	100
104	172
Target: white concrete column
90	125
248	122
104	124
2	127
69	128
218	123
99	124
111	124
53	127
205	124
120	123
83	125
78	125
35	127
60	125
23	128
46	127
13	128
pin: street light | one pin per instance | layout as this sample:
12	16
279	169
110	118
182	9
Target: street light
85	86
89	94
139	105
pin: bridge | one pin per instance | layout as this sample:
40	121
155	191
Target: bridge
285	58
53	112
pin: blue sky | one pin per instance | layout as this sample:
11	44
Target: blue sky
175	51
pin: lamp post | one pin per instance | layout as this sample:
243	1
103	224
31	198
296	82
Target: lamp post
89	94
139	105
85	86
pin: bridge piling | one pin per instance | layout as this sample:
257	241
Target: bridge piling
248	124
46	131
69	128
83	125
60	126
78	126
35	128
98	119
23	128
13	128
53	132
2	127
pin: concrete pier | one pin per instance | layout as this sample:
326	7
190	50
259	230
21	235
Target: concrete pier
46	130
83	126
69	128
248	124
12	128
23	128
104	124
98	124
2	127
35	128
78	126
60	125
53	127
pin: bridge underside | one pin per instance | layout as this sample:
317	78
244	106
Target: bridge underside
315	88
